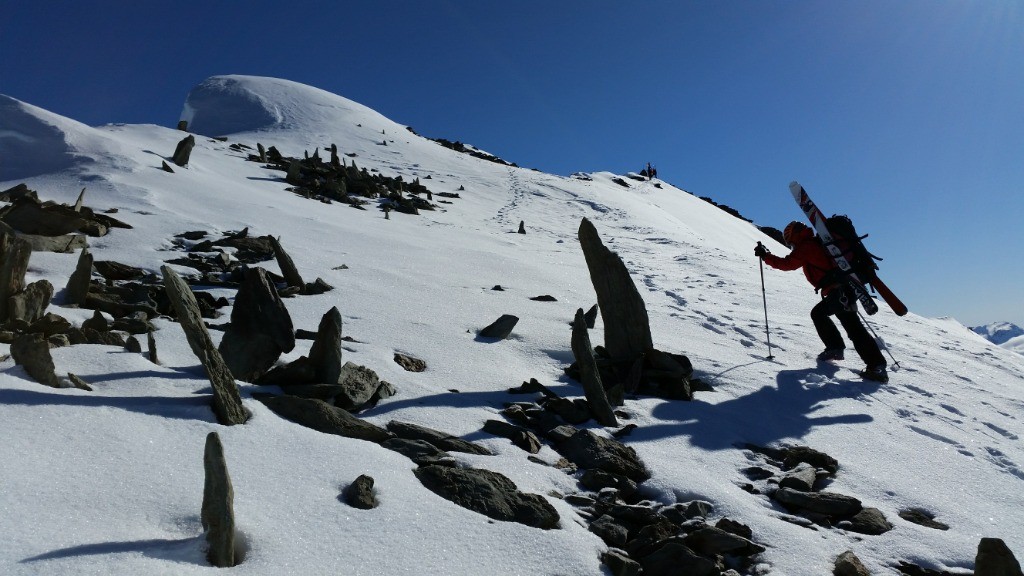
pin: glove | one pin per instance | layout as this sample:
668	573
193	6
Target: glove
760	251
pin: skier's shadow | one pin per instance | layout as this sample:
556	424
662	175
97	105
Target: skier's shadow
773	413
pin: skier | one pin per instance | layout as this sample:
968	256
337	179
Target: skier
808	253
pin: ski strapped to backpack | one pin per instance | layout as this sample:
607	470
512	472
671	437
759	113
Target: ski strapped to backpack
856	265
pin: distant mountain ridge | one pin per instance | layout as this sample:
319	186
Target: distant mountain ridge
999	333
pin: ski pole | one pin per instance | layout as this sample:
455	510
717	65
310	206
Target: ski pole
764	298
879	340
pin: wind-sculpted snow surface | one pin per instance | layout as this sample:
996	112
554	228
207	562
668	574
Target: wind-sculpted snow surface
110	481
33	141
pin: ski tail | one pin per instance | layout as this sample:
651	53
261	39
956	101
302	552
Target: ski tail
891	299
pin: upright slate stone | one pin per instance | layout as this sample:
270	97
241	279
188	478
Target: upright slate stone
627	331
227	402
32	353
325	353
995	559
14	255
184	150
590	377
218	512
260	329
288	269
78	285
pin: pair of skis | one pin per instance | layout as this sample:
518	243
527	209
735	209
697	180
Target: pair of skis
856	285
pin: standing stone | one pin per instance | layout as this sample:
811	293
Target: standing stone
14	255
260	329
78	285
590	377
166	168
325	353
522	227
995	559
288	269
184	150
227	402
627	331
262	151
218	512
80	201
151	342
32	353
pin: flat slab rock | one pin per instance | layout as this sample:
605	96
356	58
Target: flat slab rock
489	493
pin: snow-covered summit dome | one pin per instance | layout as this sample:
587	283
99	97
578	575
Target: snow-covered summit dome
233	104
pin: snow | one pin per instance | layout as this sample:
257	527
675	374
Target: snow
110	481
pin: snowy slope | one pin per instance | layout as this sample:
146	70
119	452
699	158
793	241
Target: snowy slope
110	481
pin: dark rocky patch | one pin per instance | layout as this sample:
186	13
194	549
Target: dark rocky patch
490	494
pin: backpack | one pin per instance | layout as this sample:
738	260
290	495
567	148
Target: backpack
845	236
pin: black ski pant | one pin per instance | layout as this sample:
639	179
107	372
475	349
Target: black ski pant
844	307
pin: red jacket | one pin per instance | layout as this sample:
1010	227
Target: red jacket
809	254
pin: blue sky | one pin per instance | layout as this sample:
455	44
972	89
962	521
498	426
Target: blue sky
905	115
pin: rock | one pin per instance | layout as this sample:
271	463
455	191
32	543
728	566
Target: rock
710	541
440	439
797	454
323	417
597	480
14	256
32	353
588	450
358	386
489	493
409	363
133	345
116	271
801	478
79	383
995	559
591	317
165	167
827	503
521	437
218	513
260	330
151	345
698	509
183	150
30	304
98	322
922	518
78	285
500	328
227	402
522	227
420	452
627	332
288	269
734	527
544	298
359	494
590	376
613	533
847	564
50	325
619	563
675	558
870	521
325	353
